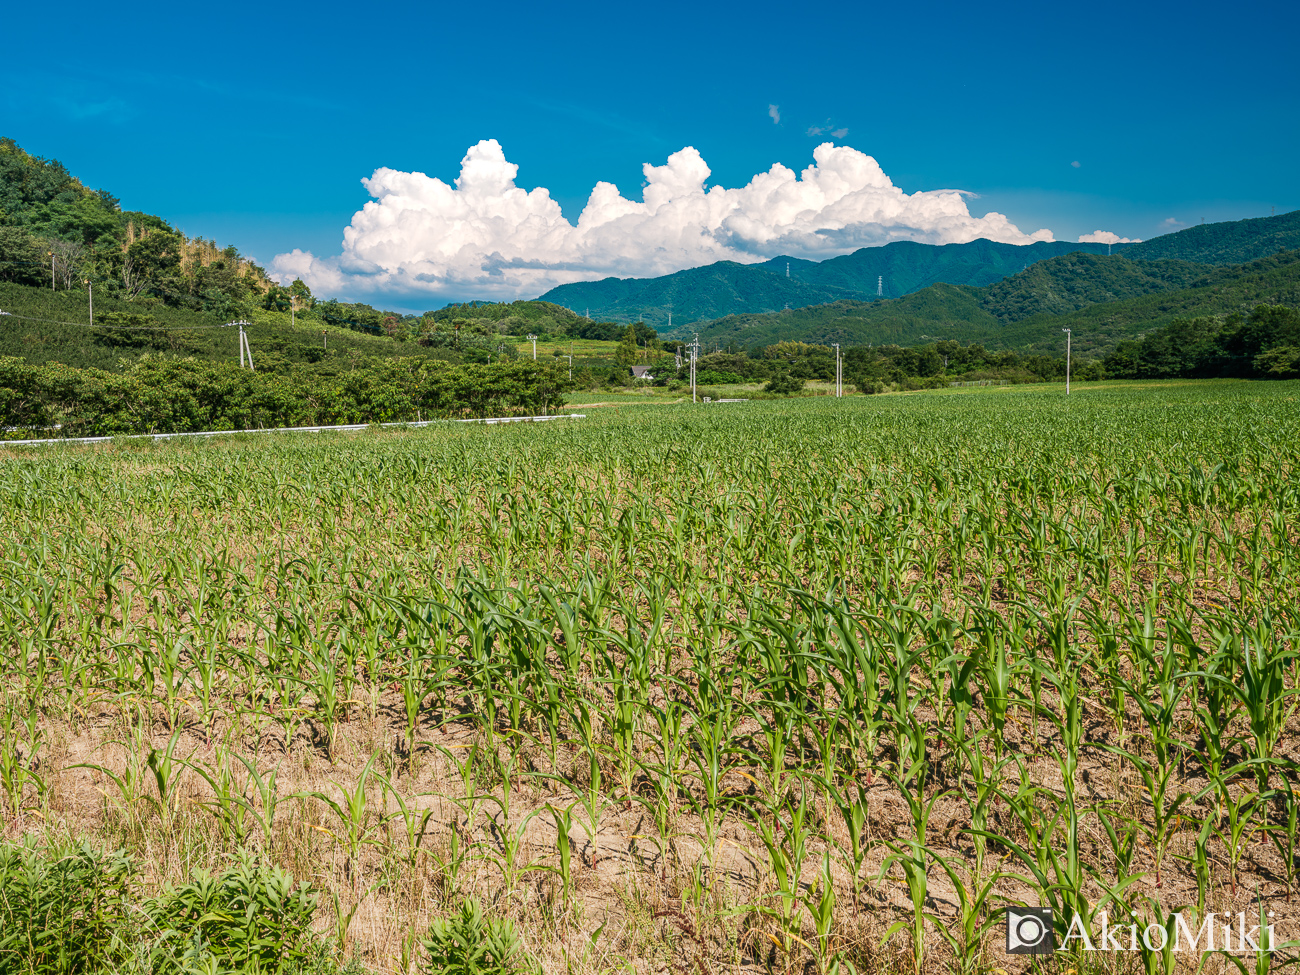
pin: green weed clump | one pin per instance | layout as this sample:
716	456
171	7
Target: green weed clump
472	944
251	918
64	912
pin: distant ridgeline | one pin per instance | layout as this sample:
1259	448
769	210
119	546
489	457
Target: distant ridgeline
1104	300
725	289
728	288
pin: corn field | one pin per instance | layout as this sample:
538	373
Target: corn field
812	686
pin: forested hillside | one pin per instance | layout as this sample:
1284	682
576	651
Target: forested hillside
1105	300
901	268
728	288
1231	242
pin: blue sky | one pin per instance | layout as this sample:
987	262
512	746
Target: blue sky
256	127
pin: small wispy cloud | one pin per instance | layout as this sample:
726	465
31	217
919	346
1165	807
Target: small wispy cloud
774	113
827	128
1171	223
1076	164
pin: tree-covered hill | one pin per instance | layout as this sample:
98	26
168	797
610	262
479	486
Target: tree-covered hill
728	288
157	291
906	266
42	326
1105	300
1065	284
1229	242
903	267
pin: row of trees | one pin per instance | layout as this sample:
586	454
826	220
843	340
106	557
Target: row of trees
168	395
1264	344
875	367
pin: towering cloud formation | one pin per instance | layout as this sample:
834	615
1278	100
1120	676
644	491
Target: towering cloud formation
487	237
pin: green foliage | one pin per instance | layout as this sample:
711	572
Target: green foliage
160	395
727	288
1066	284
1281	362
628	351
43	329
1232	242
251	918
987	606
1145	296
64	912
1262	345
717	377
785	385
471	944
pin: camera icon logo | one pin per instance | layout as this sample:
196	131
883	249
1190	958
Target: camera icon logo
1029	931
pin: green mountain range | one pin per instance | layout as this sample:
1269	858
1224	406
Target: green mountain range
728	288
1104	300
1230	242
901	268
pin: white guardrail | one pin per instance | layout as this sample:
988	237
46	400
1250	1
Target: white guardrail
342	428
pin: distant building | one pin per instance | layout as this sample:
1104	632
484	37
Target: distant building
642	372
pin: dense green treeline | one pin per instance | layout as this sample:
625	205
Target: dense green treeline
784	367
1264	344
168	395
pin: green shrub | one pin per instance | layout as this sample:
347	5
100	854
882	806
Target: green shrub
63	914
717	377
785	385
471	944
251	918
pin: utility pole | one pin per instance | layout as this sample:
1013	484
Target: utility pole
90	293
533	339
838	373
50	254
243	347
695	349
570	358
1068	336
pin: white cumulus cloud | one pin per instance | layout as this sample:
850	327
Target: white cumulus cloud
774	113
1106	237
483	236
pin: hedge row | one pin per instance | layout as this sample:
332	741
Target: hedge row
162	395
